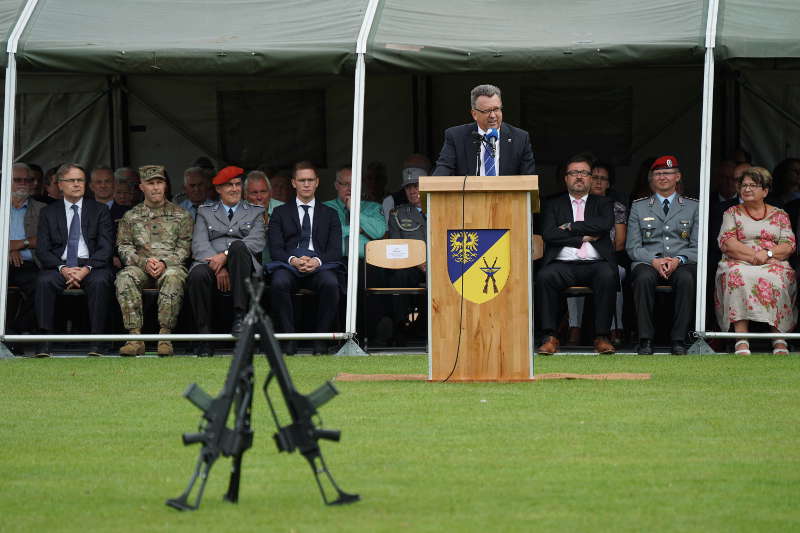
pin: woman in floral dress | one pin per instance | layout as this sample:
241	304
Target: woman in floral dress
754	280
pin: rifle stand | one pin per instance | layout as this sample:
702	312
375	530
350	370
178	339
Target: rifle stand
5	353
351	347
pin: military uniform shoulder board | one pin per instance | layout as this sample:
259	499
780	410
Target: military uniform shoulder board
690	198
640	199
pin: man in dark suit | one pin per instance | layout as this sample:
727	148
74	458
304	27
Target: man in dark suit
305	242
75	245
576	228
467	150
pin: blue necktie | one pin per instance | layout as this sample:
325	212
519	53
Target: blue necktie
305	228
73	238
488	162
230	214
666	206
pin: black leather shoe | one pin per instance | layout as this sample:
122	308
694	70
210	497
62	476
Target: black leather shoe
236	327
204	349
43	350
678	348
96	350
320	348
645	347
290	347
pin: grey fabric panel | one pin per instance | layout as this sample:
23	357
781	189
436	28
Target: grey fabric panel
748	29
519	35
193	36
9	13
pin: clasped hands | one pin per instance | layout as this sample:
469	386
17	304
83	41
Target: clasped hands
761	258
74	275
305	264
665	266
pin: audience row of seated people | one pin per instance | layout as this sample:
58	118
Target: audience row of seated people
751	278
193	247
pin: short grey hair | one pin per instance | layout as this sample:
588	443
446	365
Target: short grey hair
198	171
483	90
255	175
121	177
341	170
23	166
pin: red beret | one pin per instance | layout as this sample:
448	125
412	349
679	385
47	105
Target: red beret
665	161
227	174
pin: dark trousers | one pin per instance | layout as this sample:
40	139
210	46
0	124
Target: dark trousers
23	277
285	283
202	282
644	279
553	278
98	286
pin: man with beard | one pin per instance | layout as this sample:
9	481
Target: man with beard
576	230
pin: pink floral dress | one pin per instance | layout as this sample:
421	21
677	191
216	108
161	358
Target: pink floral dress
761	293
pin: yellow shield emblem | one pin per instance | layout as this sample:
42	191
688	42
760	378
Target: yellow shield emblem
478	262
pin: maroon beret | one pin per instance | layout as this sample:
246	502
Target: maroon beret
227	174
665	161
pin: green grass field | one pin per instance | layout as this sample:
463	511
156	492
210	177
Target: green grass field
710	443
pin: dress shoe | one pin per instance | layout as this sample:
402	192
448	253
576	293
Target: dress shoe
320	348
204	349
43	350
290	347
549	346
645	347
574	336
96	350
678	348
602	345
236	327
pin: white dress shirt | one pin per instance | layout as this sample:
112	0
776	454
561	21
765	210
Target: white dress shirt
301	213
83	250
496	152
569	253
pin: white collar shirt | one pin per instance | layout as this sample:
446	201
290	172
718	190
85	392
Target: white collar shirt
484	147
83	250
569	253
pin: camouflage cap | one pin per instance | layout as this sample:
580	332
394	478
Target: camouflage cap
150	172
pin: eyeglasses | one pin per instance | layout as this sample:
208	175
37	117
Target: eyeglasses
600	178
584	173
746	186
72	180
24	180
495	110
660	173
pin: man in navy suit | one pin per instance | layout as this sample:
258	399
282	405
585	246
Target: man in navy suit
576	228
75	243
467	151
305	243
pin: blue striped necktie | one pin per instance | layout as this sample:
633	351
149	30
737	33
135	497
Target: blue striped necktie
488	162
73	238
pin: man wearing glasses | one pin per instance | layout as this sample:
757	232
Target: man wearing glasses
488	146
662	245
23	269
576	228
228	237
75	242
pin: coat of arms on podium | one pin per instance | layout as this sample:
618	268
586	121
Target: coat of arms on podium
478	262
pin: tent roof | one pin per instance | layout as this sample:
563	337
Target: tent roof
518	35
192	36
748	29
318	36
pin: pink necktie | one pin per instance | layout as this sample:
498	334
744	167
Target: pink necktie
583	251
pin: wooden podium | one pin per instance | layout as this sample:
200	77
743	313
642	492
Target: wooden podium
482	252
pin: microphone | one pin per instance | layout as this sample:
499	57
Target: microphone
476	137
491	137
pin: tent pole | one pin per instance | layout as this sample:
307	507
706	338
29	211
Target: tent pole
357	156
9	122
705	178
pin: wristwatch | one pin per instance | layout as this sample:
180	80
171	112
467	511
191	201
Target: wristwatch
225	252
770	254
26	244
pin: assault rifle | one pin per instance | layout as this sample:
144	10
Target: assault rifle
237	395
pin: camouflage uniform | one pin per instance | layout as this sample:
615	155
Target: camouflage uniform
166	234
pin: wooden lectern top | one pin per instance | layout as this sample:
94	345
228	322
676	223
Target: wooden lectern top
478	183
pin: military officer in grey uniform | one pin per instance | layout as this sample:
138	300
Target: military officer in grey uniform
662	245
229	236
154	240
